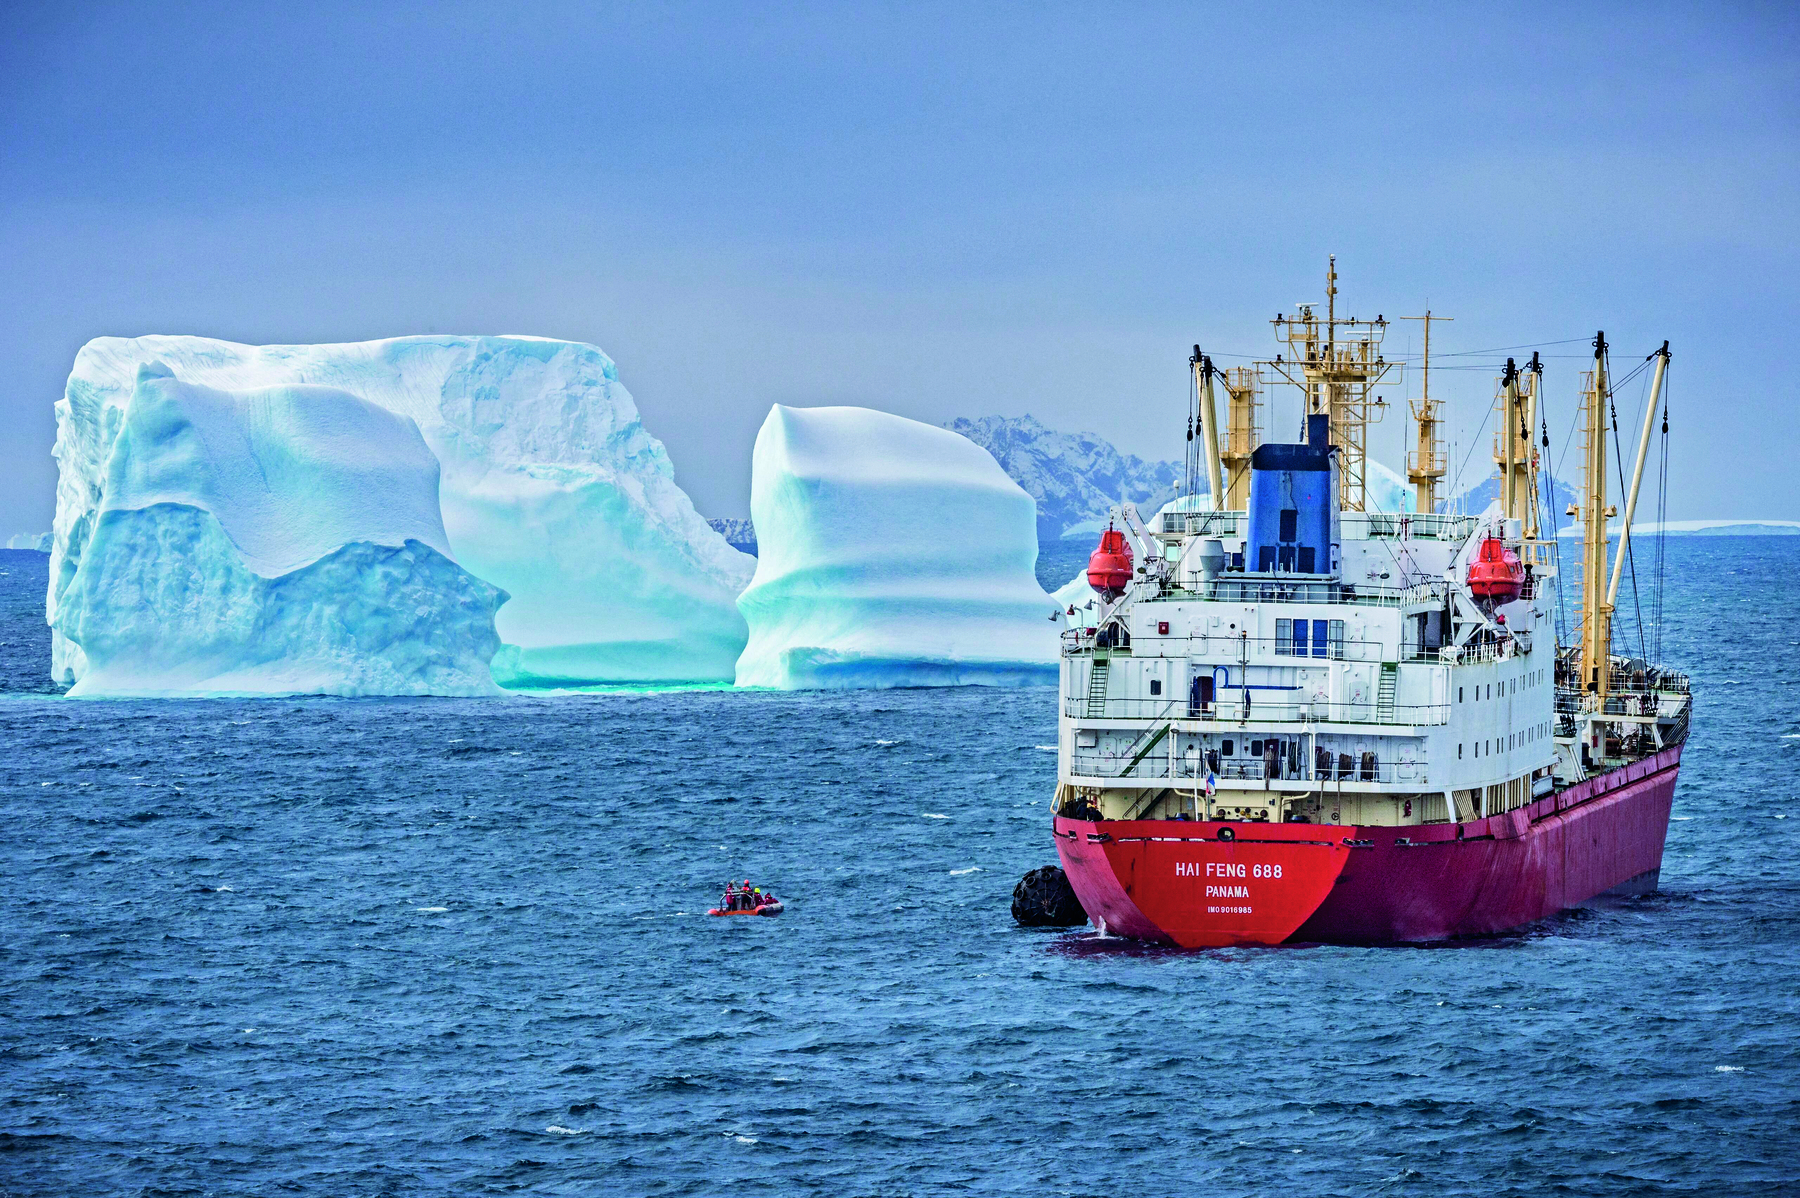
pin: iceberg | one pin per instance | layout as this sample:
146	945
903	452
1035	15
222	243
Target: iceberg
1385	491
890	553
549	489
36	542
270	542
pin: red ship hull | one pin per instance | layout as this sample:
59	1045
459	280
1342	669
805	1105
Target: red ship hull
1178	882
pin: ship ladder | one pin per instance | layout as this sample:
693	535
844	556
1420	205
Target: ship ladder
1384	695
1096	699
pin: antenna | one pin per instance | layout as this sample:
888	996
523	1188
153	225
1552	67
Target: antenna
1336	380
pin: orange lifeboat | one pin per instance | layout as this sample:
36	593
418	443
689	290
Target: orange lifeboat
1109	567
1496	575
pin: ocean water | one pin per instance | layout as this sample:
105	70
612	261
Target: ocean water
457	947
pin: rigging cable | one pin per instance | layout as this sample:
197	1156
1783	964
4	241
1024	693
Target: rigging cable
1562	615
1625	537
1547	482
1193	415
1473	446
1662	518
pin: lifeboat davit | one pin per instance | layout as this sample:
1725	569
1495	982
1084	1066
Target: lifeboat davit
1496	575
1109	567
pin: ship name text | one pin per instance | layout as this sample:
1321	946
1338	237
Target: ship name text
1225	869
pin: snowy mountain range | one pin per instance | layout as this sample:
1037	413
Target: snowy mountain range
1476	499
1075	477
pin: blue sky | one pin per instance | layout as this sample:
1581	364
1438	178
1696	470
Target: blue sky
935	210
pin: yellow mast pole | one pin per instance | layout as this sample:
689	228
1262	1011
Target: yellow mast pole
1427	465
1509	421
1596	612
1209	427
1533	522
1637	473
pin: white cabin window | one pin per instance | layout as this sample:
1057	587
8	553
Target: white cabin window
1284	631
1156	686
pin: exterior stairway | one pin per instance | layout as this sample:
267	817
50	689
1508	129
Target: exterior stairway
1384	695
1096	698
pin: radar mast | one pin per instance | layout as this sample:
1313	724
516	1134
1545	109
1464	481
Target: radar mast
1335	362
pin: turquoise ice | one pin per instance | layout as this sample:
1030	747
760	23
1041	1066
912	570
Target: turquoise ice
890	553
549	489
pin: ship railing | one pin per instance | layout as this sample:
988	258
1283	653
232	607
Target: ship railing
1381	526
1085	640
1189	769
1648	682
1202	524
1230	709
1431	592
1643	701
1276	589
1229	648
1465	655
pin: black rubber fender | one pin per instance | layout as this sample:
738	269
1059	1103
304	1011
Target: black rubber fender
1044	899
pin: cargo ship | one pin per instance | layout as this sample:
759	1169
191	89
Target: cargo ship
1289	717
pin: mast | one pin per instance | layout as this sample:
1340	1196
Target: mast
1596	612
1425	466
1242	384
1534	519
1512	448
1335	379
1209	426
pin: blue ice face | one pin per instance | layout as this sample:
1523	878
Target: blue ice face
891	553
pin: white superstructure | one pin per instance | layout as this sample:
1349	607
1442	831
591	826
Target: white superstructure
1383	694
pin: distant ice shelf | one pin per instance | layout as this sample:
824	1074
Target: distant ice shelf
890	553
548	488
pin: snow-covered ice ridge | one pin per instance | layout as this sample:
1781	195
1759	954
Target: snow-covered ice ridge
546	488
891	553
